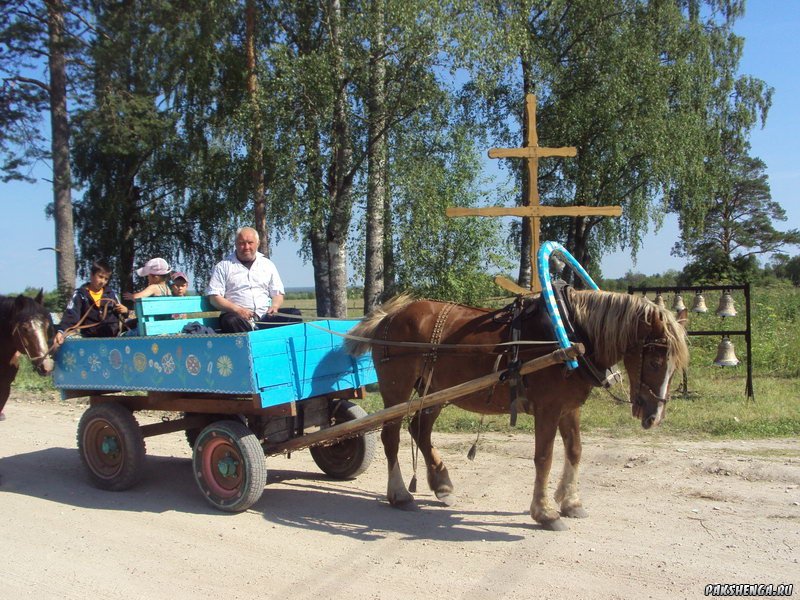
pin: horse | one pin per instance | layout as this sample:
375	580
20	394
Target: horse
26	327
453	343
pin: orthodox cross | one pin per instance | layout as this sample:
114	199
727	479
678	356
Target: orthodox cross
531	152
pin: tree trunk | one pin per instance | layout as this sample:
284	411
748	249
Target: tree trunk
376	164
340	178
62	177
255	150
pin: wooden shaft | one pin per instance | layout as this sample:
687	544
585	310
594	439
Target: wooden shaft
373	421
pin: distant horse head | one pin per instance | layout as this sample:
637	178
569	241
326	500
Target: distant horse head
26	327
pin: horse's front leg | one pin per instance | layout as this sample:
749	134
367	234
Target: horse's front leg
541	509
396	491
567	492
8	371
438	478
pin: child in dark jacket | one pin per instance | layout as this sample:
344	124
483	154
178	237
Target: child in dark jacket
99	304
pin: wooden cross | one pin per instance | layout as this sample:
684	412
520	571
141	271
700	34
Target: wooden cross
532	151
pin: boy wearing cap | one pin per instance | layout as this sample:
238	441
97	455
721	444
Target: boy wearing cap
157	272
94	307
180	283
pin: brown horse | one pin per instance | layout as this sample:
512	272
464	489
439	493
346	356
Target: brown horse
467	343
25	328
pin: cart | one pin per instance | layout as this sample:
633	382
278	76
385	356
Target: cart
240	396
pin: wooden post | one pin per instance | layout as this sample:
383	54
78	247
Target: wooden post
532	152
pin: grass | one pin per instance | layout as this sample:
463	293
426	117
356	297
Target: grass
716	406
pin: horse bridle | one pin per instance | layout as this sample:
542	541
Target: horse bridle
42	357
647	344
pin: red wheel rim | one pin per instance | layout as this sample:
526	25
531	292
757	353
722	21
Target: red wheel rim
103	448
221	467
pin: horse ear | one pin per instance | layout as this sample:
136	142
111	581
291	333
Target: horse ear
683	317
19	301
40	297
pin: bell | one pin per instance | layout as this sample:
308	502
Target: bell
678	305
699	303
726	308
725	354
659	300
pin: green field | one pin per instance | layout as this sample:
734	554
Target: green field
715	406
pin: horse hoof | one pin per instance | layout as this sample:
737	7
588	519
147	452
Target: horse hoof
408	506
447	499
575	512
555	525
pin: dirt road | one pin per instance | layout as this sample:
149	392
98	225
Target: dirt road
666	518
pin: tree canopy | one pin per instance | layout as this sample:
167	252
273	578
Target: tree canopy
351	125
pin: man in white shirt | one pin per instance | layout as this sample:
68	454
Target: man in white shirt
245	285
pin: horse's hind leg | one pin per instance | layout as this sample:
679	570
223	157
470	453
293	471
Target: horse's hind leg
438	478
396	491
567	491
396	388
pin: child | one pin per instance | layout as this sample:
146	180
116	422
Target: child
180	283
94	308
157	272
179	287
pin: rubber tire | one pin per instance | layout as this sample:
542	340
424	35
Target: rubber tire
111	445
348	458
191	434
224	440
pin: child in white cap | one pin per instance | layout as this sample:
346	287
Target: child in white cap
157	272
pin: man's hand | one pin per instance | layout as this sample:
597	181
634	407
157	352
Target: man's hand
121	309
59	339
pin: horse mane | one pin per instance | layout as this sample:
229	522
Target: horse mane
593	311
366	328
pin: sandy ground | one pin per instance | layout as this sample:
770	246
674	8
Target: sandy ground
666	518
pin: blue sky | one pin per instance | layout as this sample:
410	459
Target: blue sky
772	45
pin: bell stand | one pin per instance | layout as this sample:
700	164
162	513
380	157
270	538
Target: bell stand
745	332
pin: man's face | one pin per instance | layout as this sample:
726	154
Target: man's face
99	280
246	246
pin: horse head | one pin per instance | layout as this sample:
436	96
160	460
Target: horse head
648	339
659	350
32	331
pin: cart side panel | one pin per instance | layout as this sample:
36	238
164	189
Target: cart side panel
303	360
198	363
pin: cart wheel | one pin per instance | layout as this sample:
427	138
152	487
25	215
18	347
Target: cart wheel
191	434
111	446
229	466
350	457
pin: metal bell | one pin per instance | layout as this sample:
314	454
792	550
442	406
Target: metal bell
659	300
699	303
725	354
726	308
678	304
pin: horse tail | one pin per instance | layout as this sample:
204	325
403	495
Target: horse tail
365	330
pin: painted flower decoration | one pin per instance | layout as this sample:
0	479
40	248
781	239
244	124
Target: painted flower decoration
168	363
94	362
239	342
154	348
115	358
224	365
193	364
70	361
139	362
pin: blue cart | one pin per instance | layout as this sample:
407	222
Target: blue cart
241	397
